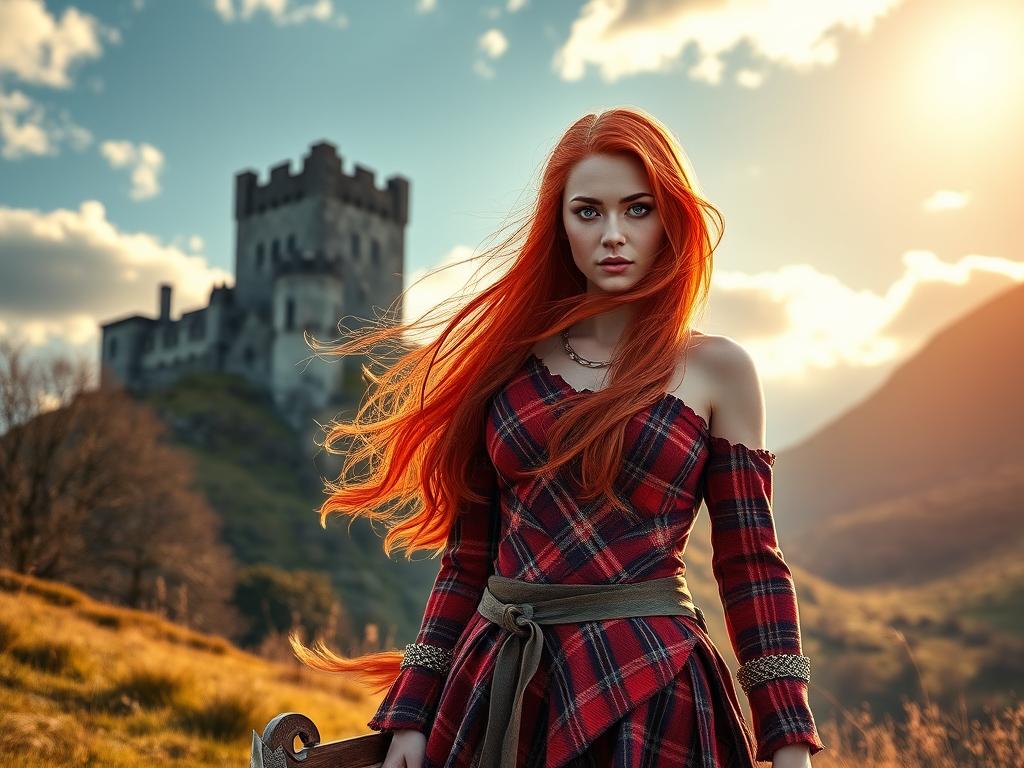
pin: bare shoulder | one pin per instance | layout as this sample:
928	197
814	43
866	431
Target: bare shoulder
736	395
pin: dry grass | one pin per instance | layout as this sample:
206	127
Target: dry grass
927	737
86	684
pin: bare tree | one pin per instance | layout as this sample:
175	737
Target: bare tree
91	494
45	482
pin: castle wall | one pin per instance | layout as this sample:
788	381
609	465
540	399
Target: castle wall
264	240
248	349
120	350
301	381
312	249
373	252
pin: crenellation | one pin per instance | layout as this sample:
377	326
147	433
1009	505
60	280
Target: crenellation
322	175
310	248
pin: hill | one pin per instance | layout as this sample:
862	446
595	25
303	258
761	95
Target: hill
87	684
950	413
264	480
886	645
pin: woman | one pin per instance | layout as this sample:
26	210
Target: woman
561	433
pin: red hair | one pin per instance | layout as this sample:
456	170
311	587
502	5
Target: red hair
420	429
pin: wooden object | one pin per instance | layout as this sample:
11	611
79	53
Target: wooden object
276	748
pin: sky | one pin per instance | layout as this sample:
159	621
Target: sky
865	154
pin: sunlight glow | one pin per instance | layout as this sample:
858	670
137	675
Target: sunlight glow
974	66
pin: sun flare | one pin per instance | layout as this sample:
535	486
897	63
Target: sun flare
975	62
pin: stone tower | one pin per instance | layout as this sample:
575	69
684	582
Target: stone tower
312	249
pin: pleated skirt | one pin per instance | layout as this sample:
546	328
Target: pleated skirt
692	722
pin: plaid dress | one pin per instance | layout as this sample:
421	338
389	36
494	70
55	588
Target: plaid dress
649	691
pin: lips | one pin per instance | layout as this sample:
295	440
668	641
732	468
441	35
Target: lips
615	260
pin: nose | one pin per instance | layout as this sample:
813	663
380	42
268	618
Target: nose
613	235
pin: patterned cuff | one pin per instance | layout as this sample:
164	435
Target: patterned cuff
430	656
782	716
764	668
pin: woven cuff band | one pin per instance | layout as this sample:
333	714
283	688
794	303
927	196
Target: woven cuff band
770	667
430	656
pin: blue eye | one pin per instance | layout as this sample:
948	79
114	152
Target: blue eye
647	209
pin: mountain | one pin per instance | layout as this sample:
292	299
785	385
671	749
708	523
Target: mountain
933	453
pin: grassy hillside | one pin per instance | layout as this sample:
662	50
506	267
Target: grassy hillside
264	480
87	684
956	638
865	641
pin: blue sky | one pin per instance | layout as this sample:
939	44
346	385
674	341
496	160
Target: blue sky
865	155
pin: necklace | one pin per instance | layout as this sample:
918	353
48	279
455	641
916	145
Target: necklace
576	356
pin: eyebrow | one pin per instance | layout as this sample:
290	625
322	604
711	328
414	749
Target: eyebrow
626	199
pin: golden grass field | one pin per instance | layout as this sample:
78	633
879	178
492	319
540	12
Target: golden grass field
87	684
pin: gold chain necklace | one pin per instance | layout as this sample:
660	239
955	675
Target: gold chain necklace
576	356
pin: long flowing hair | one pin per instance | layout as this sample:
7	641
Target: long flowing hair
420	427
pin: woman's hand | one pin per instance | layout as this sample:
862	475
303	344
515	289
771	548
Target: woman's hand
792	756
406	749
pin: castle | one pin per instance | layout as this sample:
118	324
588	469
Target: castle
310	249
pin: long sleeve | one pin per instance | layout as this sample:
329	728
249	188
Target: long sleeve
467	561
758	594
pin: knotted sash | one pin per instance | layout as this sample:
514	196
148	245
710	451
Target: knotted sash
521	607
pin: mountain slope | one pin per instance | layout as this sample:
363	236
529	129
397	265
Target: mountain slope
953	411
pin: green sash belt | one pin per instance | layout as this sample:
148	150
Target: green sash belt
521	607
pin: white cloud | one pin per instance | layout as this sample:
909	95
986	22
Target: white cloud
945	200
66	271
483	69
37	48
494	43
29	129
795	319
281	12
749	78
798	323
427	288
146	163
621	39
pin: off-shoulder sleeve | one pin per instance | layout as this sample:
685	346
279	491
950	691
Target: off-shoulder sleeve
758	593
466	562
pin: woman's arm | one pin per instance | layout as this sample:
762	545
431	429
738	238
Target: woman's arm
466	563
755	583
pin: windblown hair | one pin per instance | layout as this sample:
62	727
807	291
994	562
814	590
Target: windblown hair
420	428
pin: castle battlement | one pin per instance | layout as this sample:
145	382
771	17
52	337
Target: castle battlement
321	175
311	247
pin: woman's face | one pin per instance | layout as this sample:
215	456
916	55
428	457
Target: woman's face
608	210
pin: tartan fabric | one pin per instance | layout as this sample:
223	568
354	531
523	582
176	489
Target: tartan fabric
650	690
757	589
